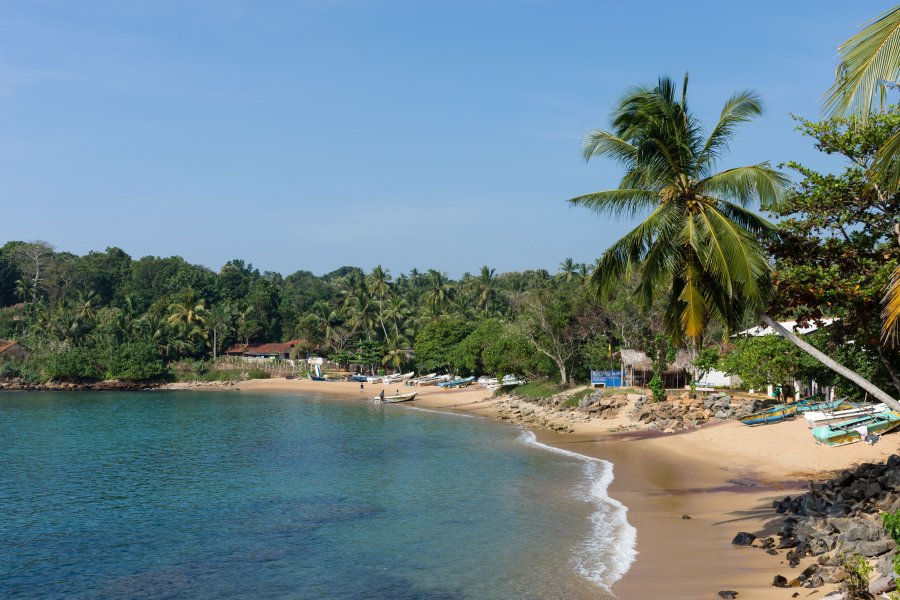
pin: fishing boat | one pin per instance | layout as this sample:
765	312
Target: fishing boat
457	382
396	378
817	418
855	430
809	405
780	412
317	375
394	399
777	413
359	378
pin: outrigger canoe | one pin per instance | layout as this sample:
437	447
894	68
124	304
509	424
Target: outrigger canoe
816	418
780	412
855	430
395	399
457	382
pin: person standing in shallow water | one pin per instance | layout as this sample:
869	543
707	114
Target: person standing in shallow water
381	395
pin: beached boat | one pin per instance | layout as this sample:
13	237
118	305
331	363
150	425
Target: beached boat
777	413
855	430
780	412
817	418
394	399
396	378
810	404
359	378
457	382
317	378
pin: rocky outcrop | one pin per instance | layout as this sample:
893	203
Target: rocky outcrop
64	386
684	412
839	518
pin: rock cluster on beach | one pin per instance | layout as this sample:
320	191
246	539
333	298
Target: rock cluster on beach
684	412
835	519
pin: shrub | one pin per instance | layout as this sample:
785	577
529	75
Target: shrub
9	370
658	388
135	362
258	374
75	364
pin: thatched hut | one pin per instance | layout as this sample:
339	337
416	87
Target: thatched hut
639	369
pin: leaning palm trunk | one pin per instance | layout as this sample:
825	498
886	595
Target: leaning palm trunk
832	364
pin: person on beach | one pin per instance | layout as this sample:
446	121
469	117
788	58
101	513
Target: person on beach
381	395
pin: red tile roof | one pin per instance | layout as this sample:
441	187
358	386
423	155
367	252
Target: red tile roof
6	345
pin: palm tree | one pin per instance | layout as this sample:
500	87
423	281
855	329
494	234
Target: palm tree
485	292
699	250
438	294
221	321
568	270
380	282
870	64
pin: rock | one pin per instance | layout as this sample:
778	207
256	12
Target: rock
730	594
779	581
804	575
743	539
685	516
766	543
788	542
834	575
870	549
860	530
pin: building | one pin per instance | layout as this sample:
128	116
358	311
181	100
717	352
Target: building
281	350
638	369
12	350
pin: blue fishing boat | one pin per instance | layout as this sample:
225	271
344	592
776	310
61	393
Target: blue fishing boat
457	382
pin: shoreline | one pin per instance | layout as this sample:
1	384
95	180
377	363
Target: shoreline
724	476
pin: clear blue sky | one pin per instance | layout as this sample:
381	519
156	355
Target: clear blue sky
309	134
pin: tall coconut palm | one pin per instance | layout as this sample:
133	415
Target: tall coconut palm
700	249
485	292
568	270
869	65
439	293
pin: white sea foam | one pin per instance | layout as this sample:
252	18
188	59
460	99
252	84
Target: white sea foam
605	556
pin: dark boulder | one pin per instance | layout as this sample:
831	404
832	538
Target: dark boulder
743	539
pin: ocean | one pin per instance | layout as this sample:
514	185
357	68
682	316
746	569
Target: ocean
237	495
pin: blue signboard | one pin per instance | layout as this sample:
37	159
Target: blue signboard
606	378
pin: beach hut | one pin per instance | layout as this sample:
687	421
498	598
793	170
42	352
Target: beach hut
639	369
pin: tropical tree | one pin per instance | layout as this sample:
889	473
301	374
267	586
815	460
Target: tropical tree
438	293
485	291
700	249
869	66
569	270
220	320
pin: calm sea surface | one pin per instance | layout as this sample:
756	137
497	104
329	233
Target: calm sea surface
226	495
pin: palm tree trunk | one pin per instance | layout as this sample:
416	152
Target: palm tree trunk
832	364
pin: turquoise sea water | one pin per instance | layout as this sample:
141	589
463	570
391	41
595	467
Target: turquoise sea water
225	495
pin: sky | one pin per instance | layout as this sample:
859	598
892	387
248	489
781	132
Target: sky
311	134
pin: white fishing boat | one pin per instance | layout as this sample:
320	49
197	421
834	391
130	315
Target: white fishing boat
395	398
816	418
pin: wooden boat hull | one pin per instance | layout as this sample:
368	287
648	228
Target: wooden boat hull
849	432
773	415
395	399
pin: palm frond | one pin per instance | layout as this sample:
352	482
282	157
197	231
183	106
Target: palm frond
746	184
886	167
627	202
868	60
604	143
740	108
696	308
892	307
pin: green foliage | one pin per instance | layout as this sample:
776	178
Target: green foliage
435	345
891	522
857	582
575	398
660	354
707	360
9	370
74	364
658	388
537	390
764	360
136	362
258	374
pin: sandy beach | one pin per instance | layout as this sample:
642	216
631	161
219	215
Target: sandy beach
723	476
